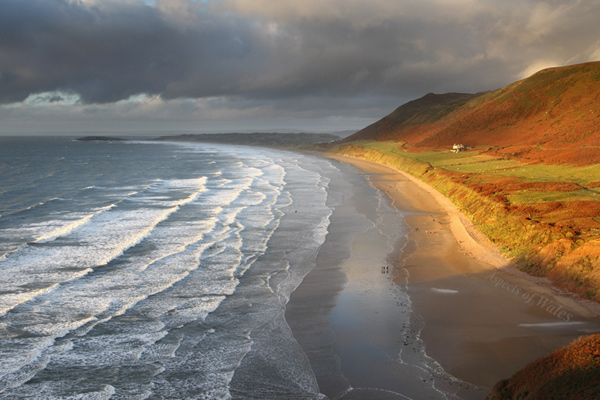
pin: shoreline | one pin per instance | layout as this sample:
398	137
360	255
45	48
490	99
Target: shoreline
353	321
466	235
483	319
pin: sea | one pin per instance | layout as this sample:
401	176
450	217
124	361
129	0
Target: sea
143	270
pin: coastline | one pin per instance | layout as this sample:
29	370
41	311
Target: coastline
469	239
353	322
482	318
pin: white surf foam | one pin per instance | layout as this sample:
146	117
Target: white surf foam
62	228
444	291
119	287
552	324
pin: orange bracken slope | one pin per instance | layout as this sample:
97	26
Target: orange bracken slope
552	116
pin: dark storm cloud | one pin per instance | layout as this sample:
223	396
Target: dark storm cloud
111	50
310	57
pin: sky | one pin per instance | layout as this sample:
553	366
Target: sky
133	66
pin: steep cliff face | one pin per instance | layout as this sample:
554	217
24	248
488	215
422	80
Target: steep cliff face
572	372
552	116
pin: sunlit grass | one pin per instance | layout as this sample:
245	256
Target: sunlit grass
557	173
473	161
522	208
529	196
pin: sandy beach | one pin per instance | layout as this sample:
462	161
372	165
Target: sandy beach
473	315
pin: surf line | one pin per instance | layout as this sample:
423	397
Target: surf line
542	302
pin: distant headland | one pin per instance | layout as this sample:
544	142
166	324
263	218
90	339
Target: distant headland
270	139
100	139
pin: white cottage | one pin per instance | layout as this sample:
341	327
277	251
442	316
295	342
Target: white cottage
458	148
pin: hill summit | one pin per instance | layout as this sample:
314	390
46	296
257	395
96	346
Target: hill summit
552	116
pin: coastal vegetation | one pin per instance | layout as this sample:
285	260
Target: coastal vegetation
530	177
544	217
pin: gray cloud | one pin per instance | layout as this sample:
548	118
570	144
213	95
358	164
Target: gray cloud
314	59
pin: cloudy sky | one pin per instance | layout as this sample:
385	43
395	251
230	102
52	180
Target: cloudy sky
242	65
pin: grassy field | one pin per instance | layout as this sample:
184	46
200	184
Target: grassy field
545	217
476	161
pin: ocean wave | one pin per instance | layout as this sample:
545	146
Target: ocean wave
70	225
179	253
156	280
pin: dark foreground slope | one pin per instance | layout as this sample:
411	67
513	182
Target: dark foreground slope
572	372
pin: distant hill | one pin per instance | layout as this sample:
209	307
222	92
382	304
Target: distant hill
100	139
256	138
552	116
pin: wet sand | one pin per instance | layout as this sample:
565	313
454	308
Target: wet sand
471	311
483	319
